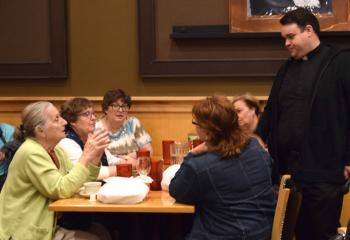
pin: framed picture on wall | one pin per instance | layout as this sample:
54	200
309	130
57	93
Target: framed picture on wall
187	42
264	15
33	39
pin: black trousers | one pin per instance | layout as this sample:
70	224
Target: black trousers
319	211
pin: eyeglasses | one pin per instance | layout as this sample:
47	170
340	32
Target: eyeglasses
87	114
123	107
195	123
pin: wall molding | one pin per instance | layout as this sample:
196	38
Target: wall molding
164	117
139	103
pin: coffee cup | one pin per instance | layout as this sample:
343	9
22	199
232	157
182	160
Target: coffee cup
91	187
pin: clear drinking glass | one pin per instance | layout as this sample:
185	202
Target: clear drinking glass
143	162
178	150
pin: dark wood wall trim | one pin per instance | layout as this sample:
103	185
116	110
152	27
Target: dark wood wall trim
150	66
239	65
56	65
221	32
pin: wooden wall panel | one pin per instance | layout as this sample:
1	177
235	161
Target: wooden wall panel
163	117
33	39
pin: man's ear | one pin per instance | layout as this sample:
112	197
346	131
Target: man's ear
309	29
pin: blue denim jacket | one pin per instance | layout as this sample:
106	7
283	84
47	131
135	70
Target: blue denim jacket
233	196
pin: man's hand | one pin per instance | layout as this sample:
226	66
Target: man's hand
347	172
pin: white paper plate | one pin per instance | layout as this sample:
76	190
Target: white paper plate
83	194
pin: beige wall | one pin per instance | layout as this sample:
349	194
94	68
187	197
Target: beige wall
103	54
159	116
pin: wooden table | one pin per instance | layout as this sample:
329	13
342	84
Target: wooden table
155	202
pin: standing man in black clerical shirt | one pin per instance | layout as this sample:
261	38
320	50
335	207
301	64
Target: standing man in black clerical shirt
306	123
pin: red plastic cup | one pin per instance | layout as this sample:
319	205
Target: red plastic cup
143	153
166	151
156	174
124	170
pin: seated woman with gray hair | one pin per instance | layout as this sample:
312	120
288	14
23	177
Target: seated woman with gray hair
40	172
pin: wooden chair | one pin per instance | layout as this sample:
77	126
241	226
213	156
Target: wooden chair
281	207
342	230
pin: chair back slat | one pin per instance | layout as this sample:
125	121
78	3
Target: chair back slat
281	207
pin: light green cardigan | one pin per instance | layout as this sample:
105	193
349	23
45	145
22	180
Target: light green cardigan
33	182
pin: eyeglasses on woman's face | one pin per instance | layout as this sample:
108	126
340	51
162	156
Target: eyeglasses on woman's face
195	123
87	114
117	107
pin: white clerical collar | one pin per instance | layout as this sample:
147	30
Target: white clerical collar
305	58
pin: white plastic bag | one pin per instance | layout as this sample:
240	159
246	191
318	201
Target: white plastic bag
168	174
123	190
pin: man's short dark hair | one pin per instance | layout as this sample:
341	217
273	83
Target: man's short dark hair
302	17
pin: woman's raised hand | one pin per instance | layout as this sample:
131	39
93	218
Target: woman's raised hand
94	147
